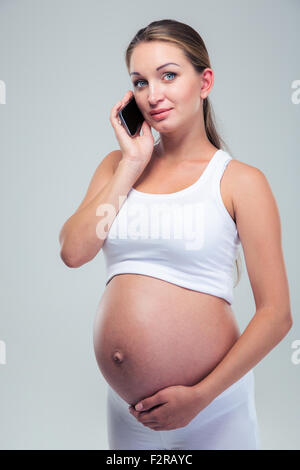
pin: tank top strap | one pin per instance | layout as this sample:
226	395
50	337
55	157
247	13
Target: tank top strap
220	165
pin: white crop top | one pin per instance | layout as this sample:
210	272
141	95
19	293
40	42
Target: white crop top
187	238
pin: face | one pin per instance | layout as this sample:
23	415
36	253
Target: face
178	87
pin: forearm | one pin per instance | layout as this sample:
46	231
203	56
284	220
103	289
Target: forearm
263	333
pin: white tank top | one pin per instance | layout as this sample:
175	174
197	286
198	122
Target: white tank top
187	238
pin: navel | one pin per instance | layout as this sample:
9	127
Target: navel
118	357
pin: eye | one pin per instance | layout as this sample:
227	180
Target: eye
167	73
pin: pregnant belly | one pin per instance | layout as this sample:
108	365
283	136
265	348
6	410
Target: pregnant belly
150	334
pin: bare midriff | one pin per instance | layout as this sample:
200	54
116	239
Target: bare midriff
150	334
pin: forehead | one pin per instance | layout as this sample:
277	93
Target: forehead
155	53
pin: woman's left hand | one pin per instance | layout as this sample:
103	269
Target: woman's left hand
170	408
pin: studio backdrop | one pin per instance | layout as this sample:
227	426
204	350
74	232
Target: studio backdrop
62	68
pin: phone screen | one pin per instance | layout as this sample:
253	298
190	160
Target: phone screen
131	117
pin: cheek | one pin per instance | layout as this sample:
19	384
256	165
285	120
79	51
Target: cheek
185	93
190	99
190	94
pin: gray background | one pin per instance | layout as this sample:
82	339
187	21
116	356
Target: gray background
63	65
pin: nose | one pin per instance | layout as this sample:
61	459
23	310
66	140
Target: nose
155	100
154	95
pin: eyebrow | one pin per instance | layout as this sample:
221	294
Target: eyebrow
158	68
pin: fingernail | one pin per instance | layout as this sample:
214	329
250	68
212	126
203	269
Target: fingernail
139	407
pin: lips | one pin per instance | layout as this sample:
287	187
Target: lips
159	111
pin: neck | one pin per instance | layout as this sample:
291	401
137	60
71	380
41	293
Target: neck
190	141
198	150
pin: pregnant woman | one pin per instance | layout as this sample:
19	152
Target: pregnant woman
170	220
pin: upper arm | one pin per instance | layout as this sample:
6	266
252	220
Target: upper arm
259	227
101	177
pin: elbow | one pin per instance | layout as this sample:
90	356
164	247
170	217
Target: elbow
282	315
73	262
288	316
67	252
287	323
74	252
290	320
281	319
68	260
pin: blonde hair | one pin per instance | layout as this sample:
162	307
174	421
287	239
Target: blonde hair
194	49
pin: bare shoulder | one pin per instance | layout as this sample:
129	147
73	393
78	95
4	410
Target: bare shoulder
244	178
240	169
107	166
102	174
109	162
252	197
238	177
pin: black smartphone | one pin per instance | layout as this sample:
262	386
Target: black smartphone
131	117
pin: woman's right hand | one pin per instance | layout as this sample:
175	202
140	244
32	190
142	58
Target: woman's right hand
137	148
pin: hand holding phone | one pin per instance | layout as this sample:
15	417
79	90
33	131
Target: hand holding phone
127	121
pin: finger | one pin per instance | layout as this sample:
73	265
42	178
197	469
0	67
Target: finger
154	401
154	427
141	416
146	128
146	418
114	118
136	414
124	100
151	425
